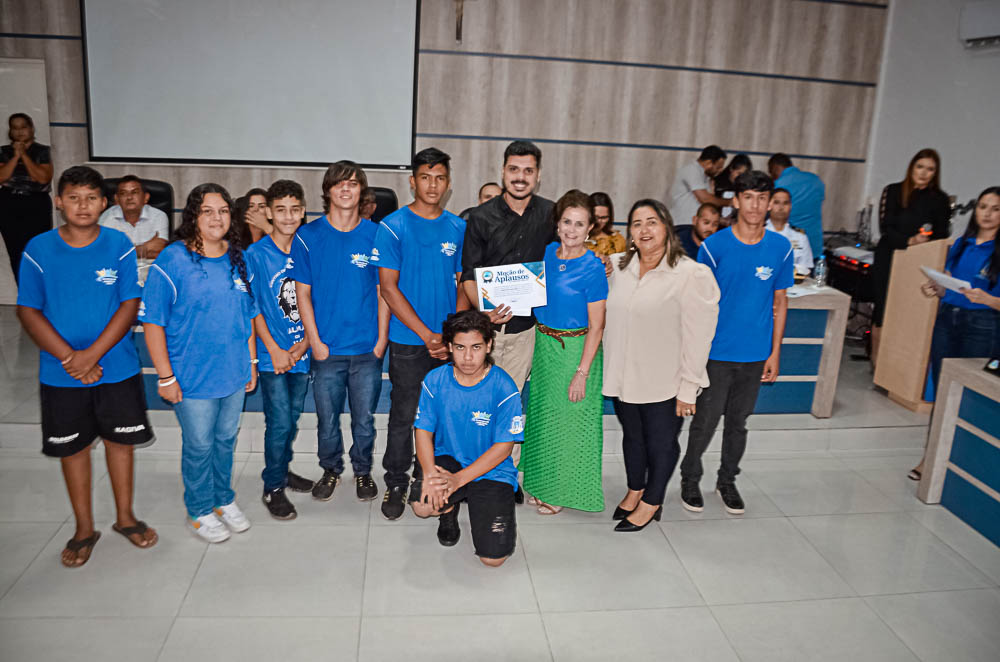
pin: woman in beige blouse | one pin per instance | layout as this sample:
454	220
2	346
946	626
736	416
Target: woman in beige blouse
661	313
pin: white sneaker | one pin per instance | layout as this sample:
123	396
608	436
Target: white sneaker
209	528
233	517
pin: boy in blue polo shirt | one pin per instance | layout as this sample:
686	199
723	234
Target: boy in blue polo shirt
281	345
346	323
418	250
467	424
78	298
753	267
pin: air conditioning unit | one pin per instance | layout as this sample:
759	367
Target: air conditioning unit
979	24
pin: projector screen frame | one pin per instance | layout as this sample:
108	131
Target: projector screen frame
238	162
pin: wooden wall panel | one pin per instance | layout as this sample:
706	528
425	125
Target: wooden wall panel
789	37
58	17
63	74
578	101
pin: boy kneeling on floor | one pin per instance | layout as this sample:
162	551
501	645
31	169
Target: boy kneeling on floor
468	421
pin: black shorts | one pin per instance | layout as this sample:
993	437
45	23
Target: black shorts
72	418
491	511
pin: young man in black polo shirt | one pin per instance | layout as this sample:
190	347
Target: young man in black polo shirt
510	228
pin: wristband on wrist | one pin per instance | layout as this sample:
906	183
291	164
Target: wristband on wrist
168	382
68	358
254	361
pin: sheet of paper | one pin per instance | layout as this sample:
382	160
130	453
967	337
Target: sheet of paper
946	281
520	286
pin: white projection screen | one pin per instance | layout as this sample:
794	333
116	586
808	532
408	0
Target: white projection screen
299	82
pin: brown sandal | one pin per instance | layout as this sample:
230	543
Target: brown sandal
138	529
76	546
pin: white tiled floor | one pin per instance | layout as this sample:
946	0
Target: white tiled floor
834	560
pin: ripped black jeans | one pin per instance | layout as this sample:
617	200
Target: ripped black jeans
491	510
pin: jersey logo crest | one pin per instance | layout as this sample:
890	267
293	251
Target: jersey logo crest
374	257
764	273
481	418
239	284
289	263
517	425
449	248
107	276
360	260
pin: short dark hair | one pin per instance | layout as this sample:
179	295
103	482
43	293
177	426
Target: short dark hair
485	185
711	206
255	191
80	176
338	172
573	198
712	153
464	322
130	178
781	190
285	188
523	148
19	116
754	180
780	159
430	157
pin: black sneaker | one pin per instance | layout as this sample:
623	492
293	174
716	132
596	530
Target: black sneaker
297	483
323	489
393	502
448	531
691	496
731	499
278	504
365	487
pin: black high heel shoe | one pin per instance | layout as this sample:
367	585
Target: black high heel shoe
621	513
626	526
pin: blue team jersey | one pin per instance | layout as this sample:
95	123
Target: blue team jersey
748	276
206	311
467	420
269	270
973	266
571	285
427	253
339	268
79	290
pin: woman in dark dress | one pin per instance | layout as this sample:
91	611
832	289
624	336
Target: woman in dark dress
25	175
913	211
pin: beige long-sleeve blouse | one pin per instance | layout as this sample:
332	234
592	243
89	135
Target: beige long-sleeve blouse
659	331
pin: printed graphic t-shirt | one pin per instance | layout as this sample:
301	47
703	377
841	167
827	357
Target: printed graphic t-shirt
273	288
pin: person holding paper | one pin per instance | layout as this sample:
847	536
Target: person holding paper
968	321
563	439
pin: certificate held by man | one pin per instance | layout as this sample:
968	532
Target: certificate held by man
520	287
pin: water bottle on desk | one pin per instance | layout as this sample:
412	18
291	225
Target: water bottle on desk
819	272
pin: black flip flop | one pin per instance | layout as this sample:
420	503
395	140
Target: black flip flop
138	529
913	475
76	546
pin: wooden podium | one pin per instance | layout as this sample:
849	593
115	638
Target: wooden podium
904	351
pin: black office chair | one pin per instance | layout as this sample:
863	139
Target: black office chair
386	202
161	196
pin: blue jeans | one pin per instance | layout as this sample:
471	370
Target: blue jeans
284	398
208	437
359	379
962	333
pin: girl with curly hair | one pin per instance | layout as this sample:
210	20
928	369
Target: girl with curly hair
197	312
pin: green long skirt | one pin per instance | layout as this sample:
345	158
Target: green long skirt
563	440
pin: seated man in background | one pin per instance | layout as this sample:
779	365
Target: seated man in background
704	224
368	204
147	227
781	208
487	191
807	192
693	184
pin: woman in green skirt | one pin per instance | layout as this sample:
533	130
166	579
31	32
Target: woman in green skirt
563	437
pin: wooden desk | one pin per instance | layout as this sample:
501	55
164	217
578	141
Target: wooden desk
962	467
